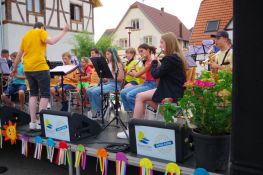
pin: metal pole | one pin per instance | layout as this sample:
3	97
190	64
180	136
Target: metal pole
129	38
1	27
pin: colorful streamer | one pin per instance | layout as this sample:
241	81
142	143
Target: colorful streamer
62	156
81	156
121	163
200	171
50	149
172	169
38	148
24	150
102	158
146	167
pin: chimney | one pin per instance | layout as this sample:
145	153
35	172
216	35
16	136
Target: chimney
162	9
181	30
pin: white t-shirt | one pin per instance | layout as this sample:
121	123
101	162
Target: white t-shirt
228	60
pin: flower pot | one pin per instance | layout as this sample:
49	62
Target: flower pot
211	152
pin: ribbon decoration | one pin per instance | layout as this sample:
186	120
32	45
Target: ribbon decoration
62	156
172	169
146	167
80	156
200	171
102	158
24	150
38	148
121	163
50	149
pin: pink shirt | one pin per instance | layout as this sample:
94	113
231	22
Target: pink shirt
148	75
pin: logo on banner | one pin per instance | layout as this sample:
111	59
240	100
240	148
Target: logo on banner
48	124
142	138
163	144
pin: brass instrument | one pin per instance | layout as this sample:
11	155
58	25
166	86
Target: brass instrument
211	58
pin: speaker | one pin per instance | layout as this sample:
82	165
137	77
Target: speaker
14	115
67	126
156	139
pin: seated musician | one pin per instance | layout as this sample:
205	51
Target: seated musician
69	82
109	86
131	65
16	86
85	78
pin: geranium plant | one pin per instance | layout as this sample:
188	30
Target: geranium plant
209	98
168	109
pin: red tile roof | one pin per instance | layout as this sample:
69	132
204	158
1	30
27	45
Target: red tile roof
163	22
108	32
211	10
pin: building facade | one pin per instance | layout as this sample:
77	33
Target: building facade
18	16
148	24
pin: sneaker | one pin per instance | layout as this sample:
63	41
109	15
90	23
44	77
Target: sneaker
122	135
34	126
97	115
48	106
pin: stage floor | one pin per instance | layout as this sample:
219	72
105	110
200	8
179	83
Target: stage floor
109	136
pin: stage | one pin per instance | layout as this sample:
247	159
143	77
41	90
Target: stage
106	137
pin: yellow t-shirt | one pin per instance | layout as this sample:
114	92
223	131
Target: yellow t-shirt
34	48
128	68
229	58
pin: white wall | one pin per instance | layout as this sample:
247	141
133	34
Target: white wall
13	35
137	35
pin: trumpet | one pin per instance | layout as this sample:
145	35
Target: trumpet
211	58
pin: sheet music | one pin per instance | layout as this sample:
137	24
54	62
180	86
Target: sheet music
65	69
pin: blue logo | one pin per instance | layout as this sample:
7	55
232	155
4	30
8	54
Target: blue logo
142	138
61	128
48	125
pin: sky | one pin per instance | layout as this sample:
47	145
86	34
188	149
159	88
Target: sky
112	11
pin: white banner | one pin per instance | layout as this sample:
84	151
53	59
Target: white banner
156	142
56	127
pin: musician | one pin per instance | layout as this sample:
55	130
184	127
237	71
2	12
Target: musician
224	57
69	83
5	55
16	85
33	50
85	79
171	72
131	65
128	95
94	92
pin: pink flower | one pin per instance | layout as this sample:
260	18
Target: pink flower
201	83
167	100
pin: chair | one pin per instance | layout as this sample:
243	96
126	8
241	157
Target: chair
71	97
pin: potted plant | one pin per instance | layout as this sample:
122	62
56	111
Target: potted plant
209	100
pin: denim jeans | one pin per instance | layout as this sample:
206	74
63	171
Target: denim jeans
128	95
94	93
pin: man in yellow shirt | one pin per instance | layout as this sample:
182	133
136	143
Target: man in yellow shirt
33	49
224	57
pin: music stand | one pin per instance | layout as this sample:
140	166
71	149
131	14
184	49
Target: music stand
4	70
62	71
102	69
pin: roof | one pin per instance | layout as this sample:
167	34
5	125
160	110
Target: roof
162	21
108	32
211	10
97	3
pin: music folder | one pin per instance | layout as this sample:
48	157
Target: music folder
4	68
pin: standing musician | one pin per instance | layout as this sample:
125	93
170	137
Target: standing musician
33	50
223	59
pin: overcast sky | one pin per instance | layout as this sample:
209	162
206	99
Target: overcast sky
112	11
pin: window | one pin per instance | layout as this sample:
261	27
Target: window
123	42
212	26
35	6
76	12
148	40
135	24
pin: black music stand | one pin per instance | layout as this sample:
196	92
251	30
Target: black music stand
102	69
62	71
